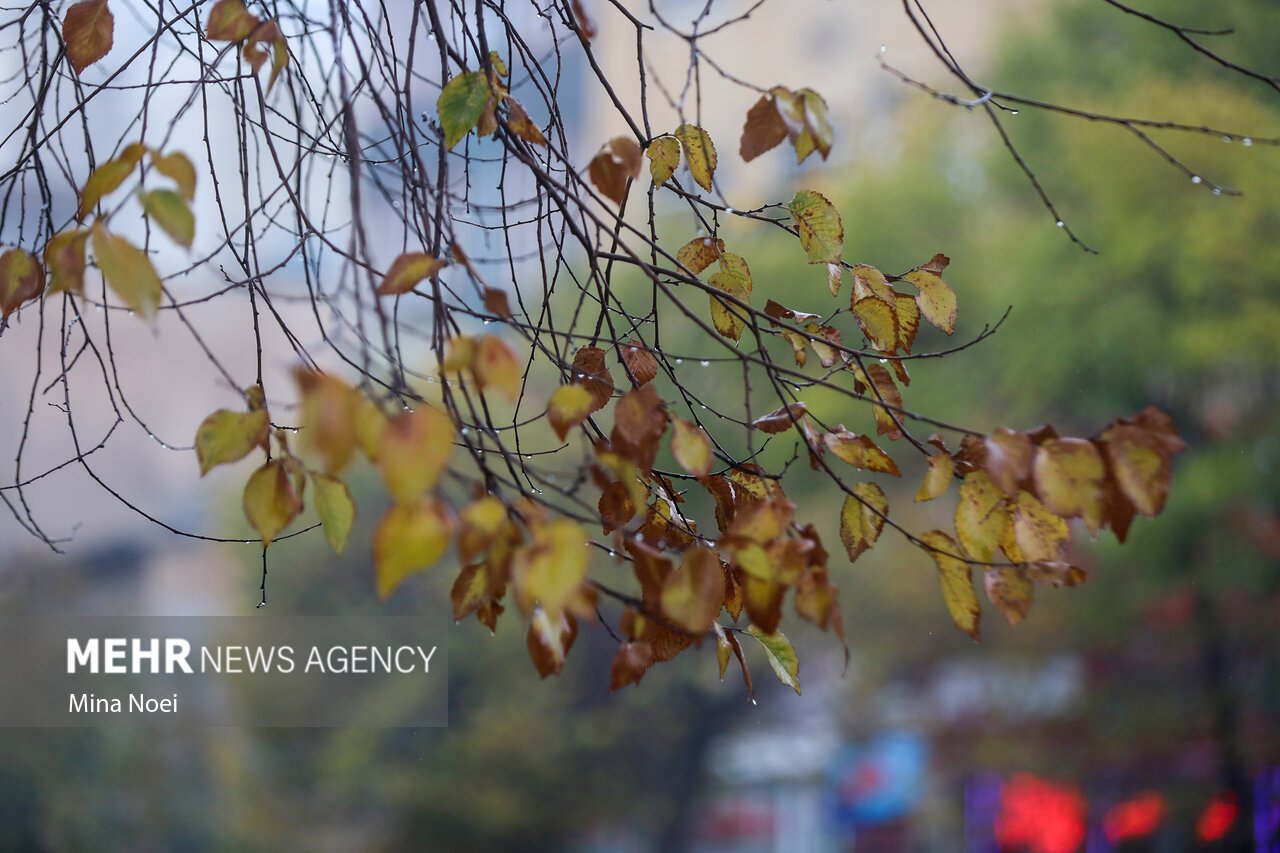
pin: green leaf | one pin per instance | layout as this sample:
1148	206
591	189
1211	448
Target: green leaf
409	539
108	177
782	657
664	158
169	210
460	104
957	581
699	153
128	270
818	226
335	507
271	499
88	31
226	436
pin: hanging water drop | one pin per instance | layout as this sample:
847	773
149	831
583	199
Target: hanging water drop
1061	224
1195	179
1246	142
487	322
704	363
679	361
1217	190
1013	112
1226	139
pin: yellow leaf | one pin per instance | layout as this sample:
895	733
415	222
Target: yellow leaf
1070	479
834	274
699	153
496	366
1010	591
415	449
693	594
21	280
64	256
862	518
230	21
128	270
957	581
869	281
860	452
169	210
370	422
177	167
936	299
781	655
409	539
226	436
550	569
935	482
727	317
569	406
483	523
691	447
407	270
818	226
522	126
1140	465
804	112
327	416
88	31
664	157
335	507
271	499
908	314
1040	534
982	516
1008	459
108	177
700	252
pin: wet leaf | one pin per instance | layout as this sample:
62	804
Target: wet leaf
616	164
461	103
128	271
21	280
550	638
88	31
640	362
414	450
169	210
818	226
497	366
409	539
781	656
335	507
664	158
226	436
699	153
700	253
957	581
691	447
589	371
693	594
1070	479
549	570
763	129
860	452
407	270
108	177
64	258
781	419
981	517
1008	459
1010	591
1040	534
271	499
941	470
936	299
569	406
630	664
862	518
726	642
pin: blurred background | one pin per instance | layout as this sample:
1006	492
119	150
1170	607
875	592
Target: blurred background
1138	712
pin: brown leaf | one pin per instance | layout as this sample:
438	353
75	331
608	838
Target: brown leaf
549	639
640	362
700	253
639	417
523	126
1008	460
495	302
780	420
1010	591
590	372
88	31
64	258
764	129
1140	466
886	420
616	164
630	664
586	26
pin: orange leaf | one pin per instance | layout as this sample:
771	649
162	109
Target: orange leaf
88	31
700	253
640	362
550	638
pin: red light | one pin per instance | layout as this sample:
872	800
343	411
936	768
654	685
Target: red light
1216	819
1135	818
1040	816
